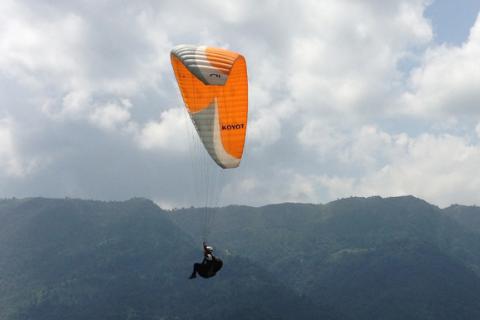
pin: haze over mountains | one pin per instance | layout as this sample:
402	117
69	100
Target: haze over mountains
355	258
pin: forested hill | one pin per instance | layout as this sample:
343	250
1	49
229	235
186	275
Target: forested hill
468	216
371	258
355	258
74	259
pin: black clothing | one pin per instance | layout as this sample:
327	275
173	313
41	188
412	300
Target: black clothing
208	269
209	266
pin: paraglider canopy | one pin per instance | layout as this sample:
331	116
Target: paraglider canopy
214	88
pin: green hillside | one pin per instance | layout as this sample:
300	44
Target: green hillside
73	259
342	254
351	259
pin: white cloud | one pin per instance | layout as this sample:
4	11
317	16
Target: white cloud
441	169
371	147
448	81
346	58
11	162
171	133
265	128
29	52
364	148
331	112
322	137
69	61
111	115
336	187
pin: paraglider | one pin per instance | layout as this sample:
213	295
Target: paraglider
214	87
209	266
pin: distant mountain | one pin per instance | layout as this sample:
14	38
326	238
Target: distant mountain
351	259
467	216
400	280
372	258
75	259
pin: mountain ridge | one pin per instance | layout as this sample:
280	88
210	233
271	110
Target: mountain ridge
353	259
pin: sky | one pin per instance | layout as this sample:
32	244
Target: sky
346	98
